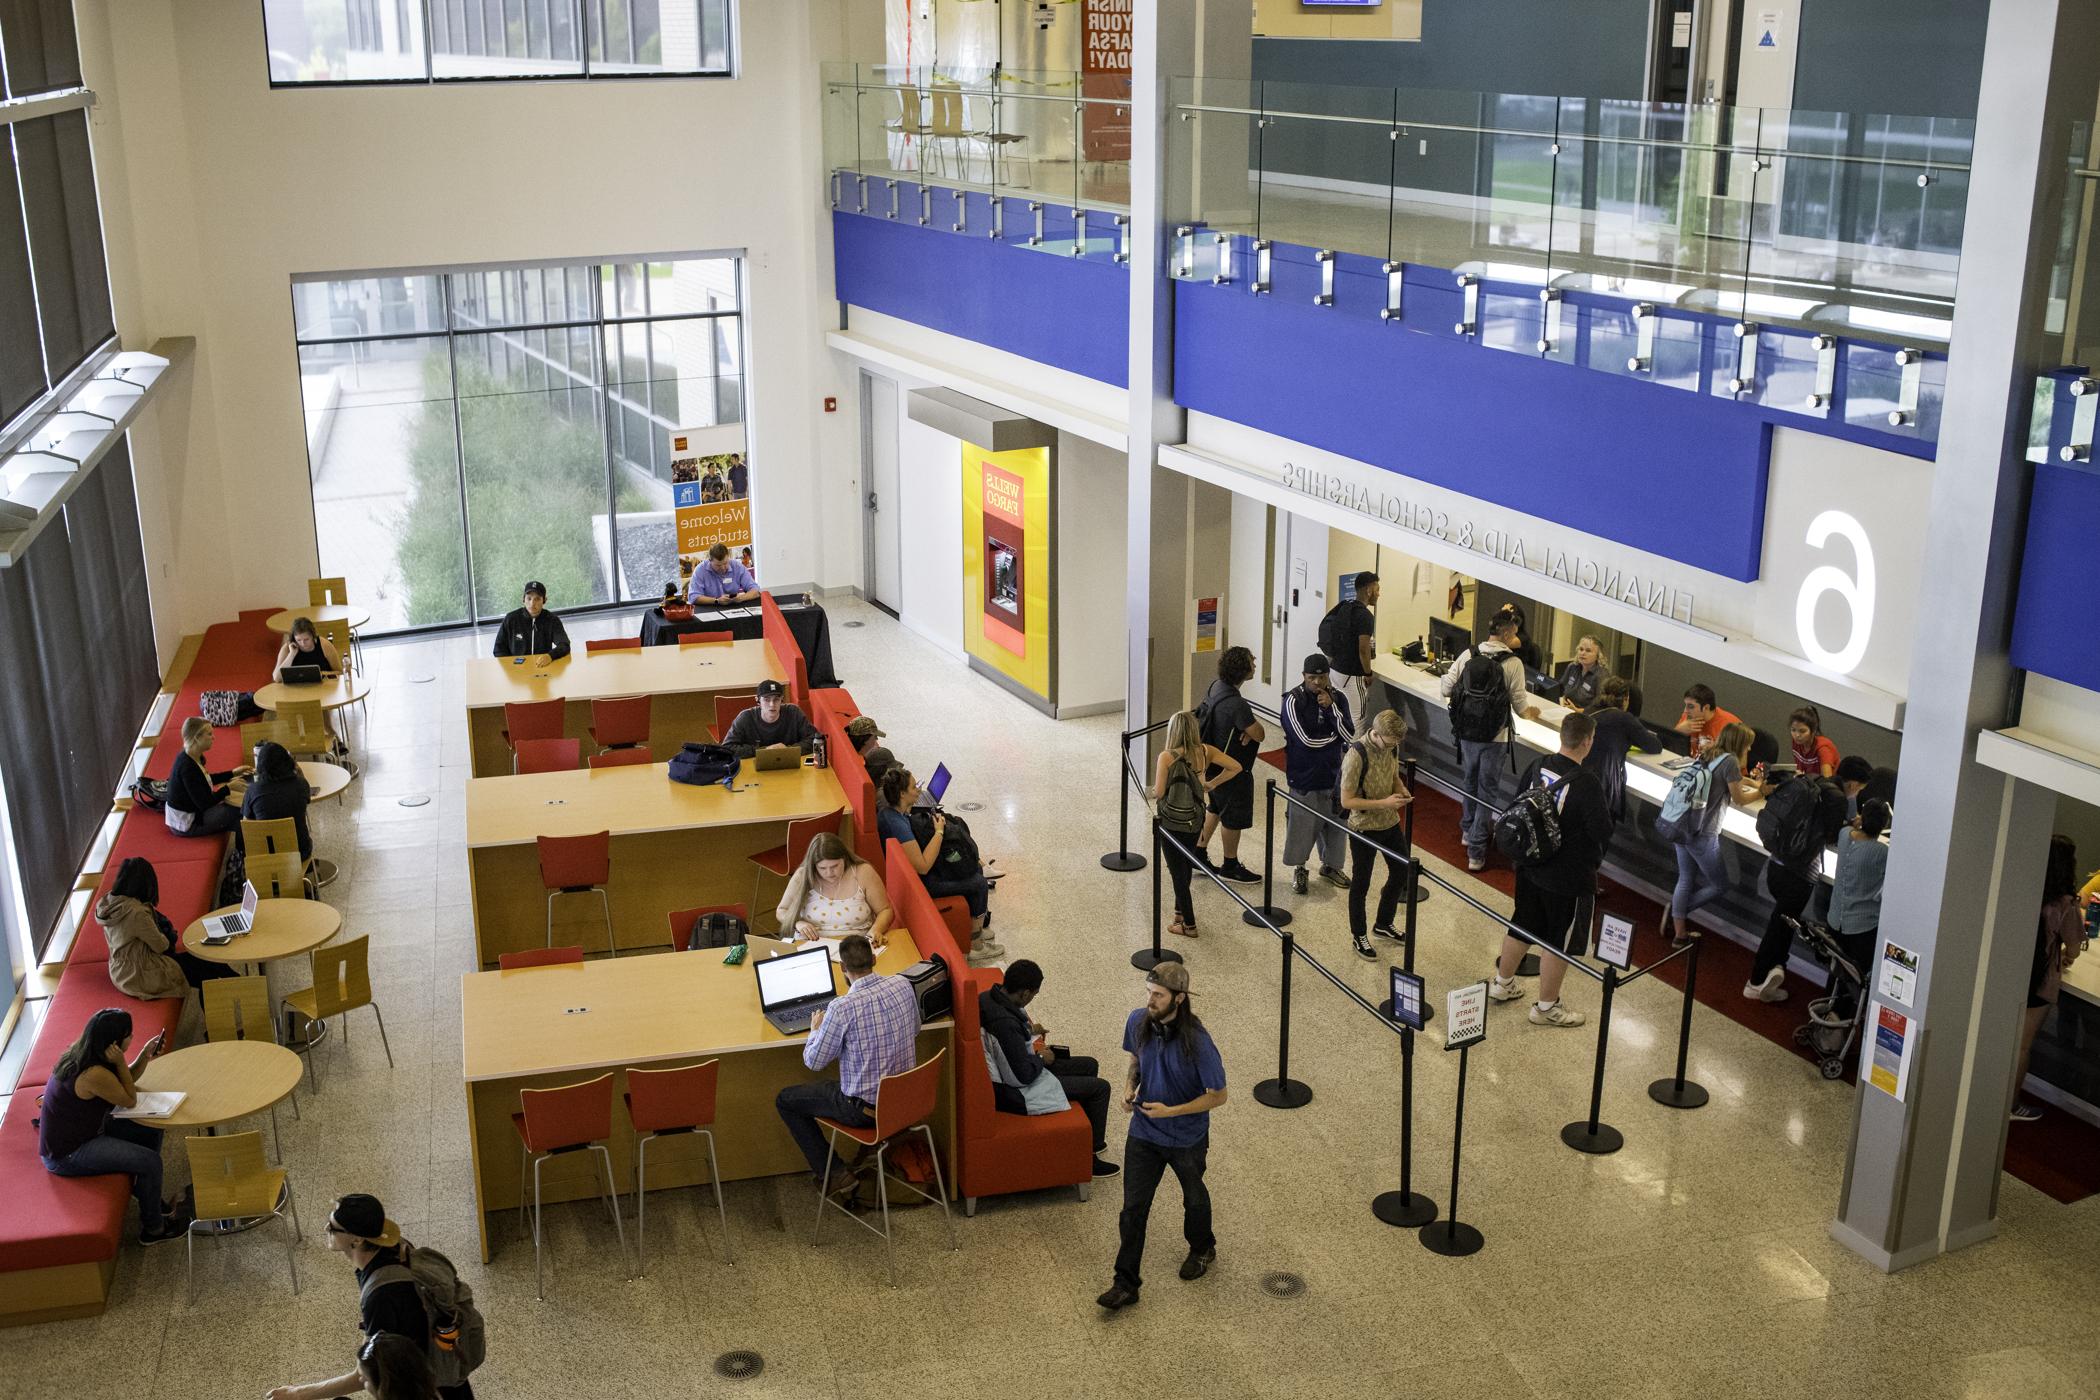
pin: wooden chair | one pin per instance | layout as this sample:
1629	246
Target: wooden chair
311	737
337	634
622	758
538	957
275	730
727	708
280	876
238	1008
278	837
781	860
326	593
547	755
234	1181
910	122
342	983
705	639
903	1103
613	644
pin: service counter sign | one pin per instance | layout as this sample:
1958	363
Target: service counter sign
710	495
1006	563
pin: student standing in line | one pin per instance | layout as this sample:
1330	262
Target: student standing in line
1813	753
1555	897
1346	640
1176	1079
1803	817
198	803
305	646
1002	1012
1180	795
1317	727
1373	795
77	1137
1855	889
144	959
2058	940
531	630
1616	713
1229	725
1702	878
1485	689
1582	678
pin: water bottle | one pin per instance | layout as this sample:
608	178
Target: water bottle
821	751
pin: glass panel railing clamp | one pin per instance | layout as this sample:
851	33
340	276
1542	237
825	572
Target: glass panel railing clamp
1912	363
1262	251
1644	320
1394	276
1470	285
1325	296
1549	297
1745	378
1826	347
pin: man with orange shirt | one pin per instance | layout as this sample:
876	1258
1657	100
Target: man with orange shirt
1703	720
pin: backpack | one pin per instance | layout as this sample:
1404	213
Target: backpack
959	859
1480	702
701	764
458	1336
1182	808
1338	637
150	794
1528	831
717	930
1799	819
1685	803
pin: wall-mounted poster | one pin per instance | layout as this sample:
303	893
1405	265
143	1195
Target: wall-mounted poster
1006	563
711	495
1107	29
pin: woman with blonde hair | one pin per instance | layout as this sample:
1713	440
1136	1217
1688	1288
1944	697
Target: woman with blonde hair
1701	876
834	894
1181	802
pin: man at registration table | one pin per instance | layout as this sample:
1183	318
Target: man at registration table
721	580
872	1031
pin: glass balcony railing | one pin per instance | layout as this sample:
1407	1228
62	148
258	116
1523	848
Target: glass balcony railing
1829	222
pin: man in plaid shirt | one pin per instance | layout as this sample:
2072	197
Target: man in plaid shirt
872	1030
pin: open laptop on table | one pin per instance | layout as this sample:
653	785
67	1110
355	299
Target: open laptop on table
303	675
771	760
793	988
222	928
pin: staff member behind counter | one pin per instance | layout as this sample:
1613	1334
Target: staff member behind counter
1582	678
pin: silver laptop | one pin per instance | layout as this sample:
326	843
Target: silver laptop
221	928
794	988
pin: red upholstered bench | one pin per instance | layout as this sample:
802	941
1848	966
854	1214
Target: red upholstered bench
84	990
189	889
58	1235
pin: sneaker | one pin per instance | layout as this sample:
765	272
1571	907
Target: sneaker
1237	873
1198	1263
1104	1167
1476	864
1503	989
984	951
1334	877
1299	883
1117	1298
171	1228
1362	946
1554	1015
2025	1112
1769	989
1386	931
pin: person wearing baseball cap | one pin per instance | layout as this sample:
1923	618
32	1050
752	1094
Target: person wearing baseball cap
531	630
1176	1078
862	734
770	724
1318	728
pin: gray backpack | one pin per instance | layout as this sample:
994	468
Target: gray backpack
458	1336
1181	806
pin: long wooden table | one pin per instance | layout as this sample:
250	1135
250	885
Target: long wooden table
541	1027
681	681
674	846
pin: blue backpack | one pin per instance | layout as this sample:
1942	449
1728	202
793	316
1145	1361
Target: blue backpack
1684	806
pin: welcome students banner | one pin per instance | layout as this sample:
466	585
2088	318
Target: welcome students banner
710	495
1006	563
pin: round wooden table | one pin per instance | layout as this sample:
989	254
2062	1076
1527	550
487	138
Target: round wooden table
225	1080
284	928
346	689
327	780
357	617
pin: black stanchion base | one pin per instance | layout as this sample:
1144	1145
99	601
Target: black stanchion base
1606	1139
1144	959
1282	1093
1410	1210
1420	896
1529	967
1274	914
1451	1238
1122	862
1670	1094
1385	1009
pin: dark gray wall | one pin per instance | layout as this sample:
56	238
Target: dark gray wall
1917	58
1595	48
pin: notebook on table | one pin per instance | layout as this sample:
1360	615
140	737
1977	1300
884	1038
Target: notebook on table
152	1104
793	988
224	928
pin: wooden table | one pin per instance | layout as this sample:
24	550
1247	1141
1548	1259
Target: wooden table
326	779
226	1080
544	1026
681	681
324	612
345	688
284	928
674	846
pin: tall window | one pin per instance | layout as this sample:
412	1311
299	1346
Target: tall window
469	430
362	41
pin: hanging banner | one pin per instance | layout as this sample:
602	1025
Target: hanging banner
1104	61
710	495
1006	563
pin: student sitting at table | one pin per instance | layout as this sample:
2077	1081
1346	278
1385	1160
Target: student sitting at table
770	724
77	1137
304	646
144	961
531	630
835	893
197	803
279	790
862	734
722	580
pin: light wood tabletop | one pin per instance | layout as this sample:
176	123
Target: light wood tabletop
606	675
623	1011
284	928
326	779
509	811
226	1080
324	612
346	688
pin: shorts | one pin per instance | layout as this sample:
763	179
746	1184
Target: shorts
2044	949
1233	802
1550	916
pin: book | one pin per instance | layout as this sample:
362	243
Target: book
152	1104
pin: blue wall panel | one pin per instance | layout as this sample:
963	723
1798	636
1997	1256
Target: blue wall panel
1072	313
1678	475
2059	609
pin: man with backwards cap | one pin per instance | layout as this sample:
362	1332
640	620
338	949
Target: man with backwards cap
531	630
1176	1078
770	724
1317	729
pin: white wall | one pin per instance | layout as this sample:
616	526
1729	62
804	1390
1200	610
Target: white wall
1092	561
216	190
929	478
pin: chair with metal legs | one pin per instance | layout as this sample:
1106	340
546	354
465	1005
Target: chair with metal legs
664	1103
578	865
342	983
233	1181
903	1103
238	1008
554	1123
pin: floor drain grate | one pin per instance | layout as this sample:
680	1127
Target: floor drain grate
416	799
971	806
739	1365
855	623
1281	1285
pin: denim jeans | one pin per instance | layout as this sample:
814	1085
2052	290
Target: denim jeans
122	1147
801	1105
1144	1162
973	888
1701	877
1480	763
1303	832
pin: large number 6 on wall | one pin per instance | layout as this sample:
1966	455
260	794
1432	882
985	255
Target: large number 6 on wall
1857	592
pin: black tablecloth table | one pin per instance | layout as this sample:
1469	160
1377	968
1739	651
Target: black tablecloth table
807	621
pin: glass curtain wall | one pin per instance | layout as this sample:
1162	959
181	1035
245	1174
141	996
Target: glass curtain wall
470	430
377	41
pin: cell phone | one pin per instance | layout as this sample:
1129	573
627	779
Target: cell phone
2092	918
517	661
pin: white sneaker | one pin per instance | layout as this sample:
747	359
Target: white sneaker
1769	990
1476	864
1503	989
1554	1015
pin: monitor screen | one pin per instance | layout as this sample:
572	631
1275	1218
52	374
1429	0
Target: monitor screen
1447	638
791	978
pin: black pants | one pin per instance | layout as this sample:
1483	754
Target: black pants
1081	1077
1364	849
1144	1163
198	970
1179	871
1790	894
216	820
1858	949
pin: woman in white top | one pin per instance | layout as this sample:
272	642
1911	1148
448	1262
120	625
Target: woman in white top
835	893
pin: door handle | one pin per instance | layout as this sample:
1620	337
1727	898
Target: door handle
871	502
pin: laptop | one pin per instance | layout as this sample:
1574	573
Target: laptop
938	783
303	675
757	945
794	988
772	760
222	928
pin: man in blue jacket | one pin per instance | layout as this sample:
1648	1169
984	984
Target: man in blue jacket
1317	730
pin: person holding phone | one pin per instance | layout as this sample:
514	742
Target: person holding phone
305	646
76	1135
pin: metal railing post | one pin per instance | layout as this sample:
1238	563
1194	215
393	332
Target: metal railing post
1277	917
1677	1091
1592	1136
1145	959
1122	859
1416	893
1283	1091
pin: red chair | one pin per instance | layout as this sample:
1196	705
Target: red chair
578	865
703	639
538	957
553	1122
727	708
666	1103
533	719
620	724
903	1104
782	860
613	644
622	758
682	921
547	755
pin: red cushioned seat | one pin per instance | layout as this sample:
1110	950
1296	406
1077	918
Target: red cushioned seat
46	1220
84	990
146	834
189	889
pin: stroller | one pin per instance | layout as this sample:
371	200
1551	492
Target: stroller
1832	1031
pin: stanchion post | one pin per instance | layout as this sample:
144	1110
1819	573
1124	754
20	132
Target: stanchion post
1416	890
1592	1136
1283	1091
1145	959
1677	1091
1450	1236
1404	1208
1277	917
1122	859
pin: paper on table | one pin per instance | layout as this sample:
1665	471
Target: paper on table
153	1103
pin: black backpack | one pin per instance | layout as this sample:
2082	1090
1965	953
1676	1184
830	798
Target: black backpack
959	859
701	764
1480	703
1528	831
1182	806
718	930
1800	819
1338	637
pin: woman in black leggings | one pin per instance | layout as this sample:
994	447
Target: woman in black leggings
1183	762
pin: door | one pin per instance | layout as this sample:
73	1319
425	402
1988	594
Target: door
1301	591
881	515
